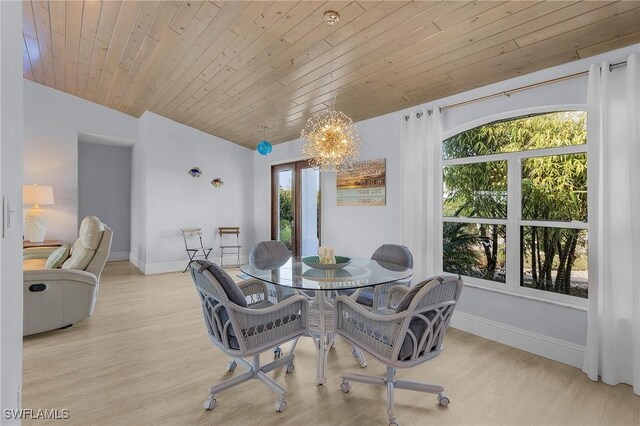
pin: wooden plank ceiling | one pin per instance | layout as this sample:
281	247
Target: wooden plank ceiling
231	67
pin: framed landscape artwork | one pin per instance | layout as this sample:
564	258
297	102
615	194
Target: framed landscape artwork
364	184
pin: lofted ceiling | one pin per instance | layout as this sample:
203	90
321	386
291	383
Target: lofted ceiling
229	68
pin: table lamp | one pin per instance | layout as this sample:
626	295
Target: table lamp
35	220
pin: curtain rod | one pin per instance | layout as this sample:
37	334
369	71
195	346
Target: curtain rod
520	89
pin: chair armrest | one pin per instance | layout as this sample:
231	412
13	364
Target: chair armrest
255	290
395	295
377	333
37	252
267	327
50	275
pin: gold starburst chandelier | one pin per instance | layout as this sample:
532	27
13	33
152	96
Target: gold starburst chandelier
331	140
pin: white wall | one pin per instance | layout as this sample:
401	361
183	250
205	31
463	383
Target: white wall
11	186
373	225
549	329
166	198
52	121
104	190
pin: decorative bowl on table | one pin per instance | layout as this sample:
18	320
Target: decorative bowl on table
314	262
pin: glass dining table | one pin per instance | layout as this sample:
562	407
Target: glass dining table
292	275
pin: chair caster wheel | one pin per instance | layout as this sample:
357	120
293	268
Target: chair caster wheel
281	405
210	403
232	366
394	422
277	352
290	368
345	386
443	399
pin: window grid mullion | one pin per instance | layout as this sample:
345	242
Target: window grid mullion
514	207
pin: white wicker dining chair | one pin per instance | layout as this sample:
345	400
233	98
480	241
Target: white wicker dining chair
242	322
402	338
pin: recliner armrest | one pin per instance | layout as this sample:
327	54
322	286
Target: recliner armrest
37	252
60	275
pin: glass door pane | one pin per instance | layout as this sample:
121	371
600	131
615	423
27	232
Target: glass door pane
310	211
285	208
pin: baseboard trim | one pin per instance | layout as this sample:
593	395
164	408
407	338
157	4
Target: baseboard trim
539	344
136	262
118	255
179	265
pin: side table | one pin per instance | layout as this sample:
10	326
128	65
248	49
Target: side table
45	243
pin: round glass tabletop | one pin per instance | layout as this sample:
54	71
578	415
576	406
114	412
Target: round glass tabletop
360	272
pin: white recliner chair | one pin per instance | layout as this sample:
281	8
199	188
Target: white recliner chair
60	297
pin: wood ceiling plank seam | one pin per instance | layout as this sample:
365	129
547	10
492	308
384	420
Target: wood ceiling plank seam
104	34
609	45
164	35
342	80
26	62
272	34
73	26
342	73
160	83
576	22
328	30
43	30
33	49
28	20
116	82
258	61
344	67
441	65
139	84
146	16
576	39
149	45
142	24
212	73
336	56
326	70
182	93
165	15
59	59
468	12
214	43
90	18
263	24
455	46
260	85
57	18
366	5
396	89
184	15
410	14
126	17
254	102
100	50
369	17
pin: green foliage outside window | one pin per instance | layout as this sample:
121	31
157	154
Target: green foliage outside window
554	188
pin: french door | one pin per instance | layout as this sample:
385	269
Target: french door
295	207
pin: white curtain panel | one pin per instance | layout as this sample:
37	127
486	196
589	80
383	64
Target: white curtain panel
421	140
613	339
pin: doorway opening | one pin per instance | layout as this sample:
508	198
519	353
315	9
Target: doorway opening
296	206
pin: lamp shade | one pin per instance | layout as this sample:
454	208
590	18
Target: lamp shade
37	194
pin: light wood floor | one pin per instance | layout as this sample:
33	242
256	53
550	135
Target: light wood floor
144	358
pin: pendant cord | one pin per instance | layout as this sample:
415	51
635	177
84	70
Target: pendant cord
333	50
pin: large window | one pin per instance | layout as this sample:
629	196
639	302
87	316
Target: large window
515	205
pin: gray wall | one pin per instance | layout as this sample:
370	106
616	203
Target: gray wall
104	190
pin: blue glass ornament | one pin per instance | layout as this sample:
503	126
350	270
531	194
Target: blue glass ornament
264	148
